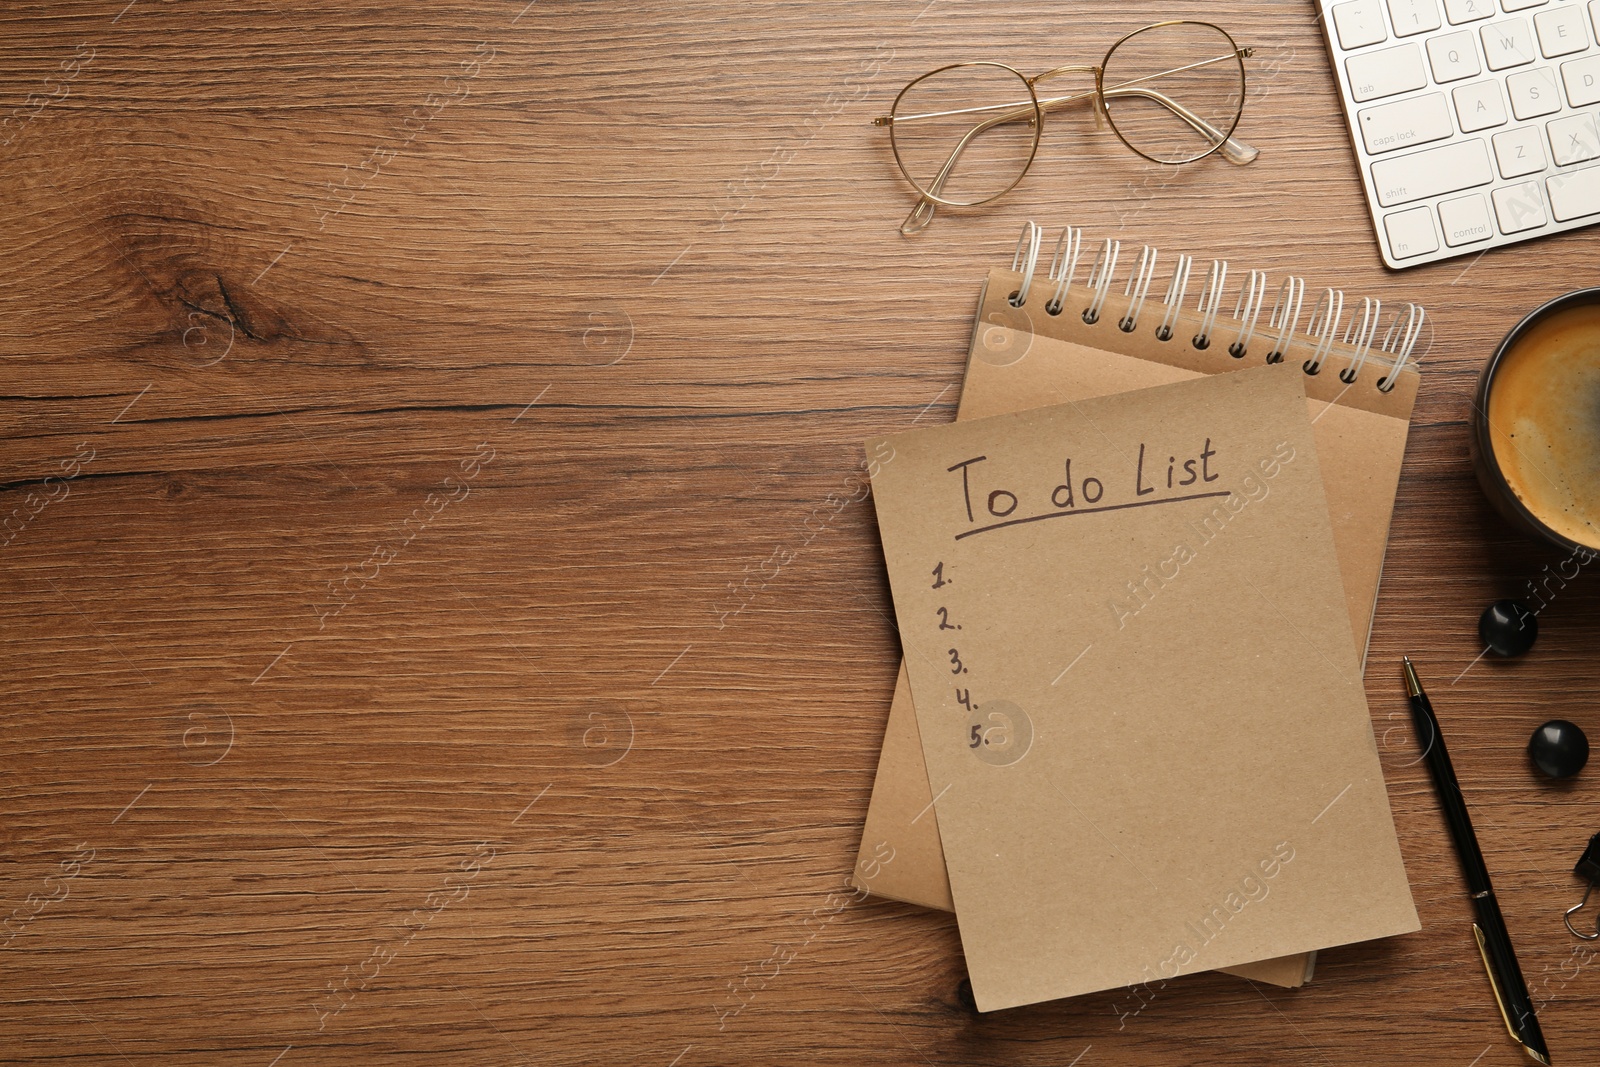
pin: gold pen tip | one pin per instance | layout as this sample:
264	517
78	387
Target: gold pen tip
1413	686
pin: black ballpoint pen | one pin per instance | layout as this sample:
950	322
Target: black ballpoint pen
1494	942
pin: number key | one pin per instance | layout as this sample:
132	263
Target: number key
1414	16
1459	11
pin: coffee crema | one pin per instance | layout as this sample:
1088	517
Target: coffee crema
1544	422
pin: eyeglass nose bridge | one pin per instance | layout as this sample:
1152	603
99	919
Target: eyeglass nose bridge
1098	73
1099	85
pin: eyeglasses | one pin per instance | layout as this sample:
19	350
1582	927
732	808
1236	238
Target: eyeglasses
1173	92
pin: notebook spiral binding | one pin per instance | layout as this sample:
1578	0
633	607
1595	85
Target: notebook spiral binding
1327	328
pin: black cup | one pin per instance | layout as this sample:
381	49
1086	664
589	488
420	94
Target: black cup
1486	464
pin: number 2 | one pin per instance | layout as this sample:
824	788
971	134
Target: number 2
944	620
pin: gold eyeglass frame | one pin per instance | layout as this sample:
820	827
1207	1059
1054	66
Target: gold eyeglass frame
1235	151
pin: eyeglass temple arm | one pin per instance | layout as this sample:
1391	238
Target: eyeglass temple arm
1233	150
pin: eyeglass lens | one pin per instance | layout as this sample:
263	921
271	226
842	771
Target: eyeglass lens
1174	93
966	134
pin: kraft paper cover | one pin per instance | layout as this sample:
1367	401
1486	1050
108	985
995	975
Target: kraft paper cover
1139	786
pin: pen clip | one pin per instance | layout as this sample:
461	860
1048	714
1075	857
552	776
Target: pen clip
1494	984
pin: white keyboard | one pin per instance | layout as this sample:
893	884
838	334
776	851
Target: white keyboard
1474	121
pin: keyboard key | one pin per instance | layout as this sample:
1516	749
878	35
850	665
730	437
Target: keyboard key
1359	23
1479	106
1411	233
1465	220
1432	172
1454	56
1574	194
1406	123
1459	11
1519	152
1573	139
1583	81
1374	75
1414	16
1561	31
1534	93
1520	208
1521	5
1508	44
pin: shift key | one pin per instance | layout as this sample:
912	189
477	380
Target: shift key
1433	172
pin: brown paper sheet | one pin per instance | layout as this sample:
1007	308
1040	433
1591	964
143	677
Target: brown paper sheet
1022	358
1132	776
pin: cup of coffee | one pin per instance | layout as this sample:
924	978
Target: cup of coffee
1536	424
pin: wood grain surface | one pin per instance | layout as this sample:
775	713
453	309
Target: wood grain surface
402	404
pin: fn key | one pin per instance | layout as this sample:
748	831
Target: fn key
1411	233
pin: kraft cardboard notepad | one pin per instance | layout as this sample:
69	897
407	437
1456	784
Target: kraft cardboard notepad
1183	785
1025	357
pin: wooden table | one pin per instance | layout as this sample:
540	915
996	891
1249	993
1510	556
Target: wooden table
396	669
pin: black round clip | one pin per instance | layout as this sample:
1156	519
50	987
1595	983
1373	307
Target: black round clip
1559	748
1508	628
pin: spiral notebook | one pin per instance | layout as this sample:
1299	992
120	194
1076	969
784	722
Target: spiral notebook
1138	788
1044	337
